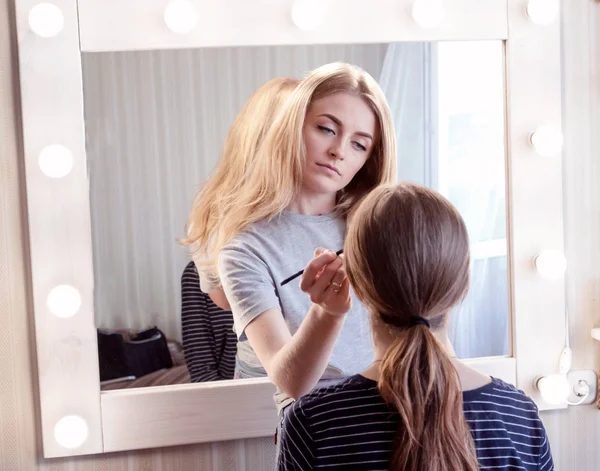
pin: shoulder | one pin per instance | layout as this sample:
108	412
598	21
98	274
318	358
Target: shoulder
505	393
352	392
501	412
247	244
500	393
252	239
190	271
502	402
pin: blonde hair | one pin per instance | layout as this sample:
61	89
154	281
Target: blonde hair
273	182
407	257
220	193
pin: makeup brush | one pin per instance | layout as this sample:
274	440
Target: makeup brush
296	275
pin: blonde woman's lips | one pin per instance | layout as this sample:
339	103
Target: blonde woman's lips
331	168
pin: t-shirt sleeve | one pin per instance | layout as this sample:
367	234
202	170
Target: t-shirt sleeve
247	283
296	450
207	283
545	462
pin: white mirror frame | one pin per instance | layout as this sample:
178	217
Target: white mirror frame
59	210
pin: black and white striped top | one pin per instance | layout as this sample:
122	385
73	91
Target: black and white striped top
209	342
349	427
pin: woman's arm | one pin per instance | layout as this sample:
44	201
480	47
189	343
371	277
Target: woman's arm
211	286
218	297
295	363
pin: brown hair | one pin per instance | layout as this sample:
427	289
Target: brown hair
407	256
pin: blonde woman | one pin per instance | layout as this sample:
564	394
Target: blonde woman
219	194
416	408
332	144
209	343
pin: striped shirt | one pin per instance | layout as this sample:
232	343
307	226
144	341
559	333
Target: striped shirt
209	342
349	427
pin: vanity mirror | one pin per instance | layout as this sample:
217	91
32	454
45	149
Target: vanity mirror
155	125
125	109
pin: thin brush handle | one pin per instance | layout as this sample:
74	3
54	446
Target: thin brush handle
296	275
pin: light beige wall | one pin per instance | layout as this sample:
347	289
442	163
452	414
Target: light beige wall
574	434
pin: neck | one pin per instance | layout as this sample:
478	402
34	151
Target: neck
383	338
313	204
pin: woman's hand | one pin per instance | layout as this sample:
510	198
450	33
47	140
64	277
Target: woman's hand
326	283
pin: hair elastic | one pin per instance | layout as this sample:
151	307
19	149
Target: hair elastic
418	320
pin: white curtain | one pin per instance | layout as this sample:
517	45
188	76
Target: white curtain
447	103
406	81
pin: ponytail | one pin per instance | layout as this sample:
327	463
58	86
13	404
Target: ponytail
407	258
418	379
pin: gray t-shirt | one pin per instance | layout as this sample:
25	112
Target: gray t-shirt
254	264
207	284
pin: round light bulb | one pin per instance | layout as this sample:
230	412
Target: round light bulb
46	20
554	388
308	15
551	264
71	431
181	16
56	161
64	301
547	141
428	13
543	12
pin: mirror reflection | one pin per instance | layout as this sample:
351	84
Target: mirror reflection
157	123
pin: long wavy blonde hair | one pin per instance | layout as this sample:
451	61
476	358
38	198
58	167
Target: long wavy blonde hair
407	256
220	193
272	182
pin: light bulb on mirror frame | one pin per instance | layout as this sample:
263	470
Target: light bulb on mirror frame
181	16
547	140
55	161
308	15
554	388
64	301
551	264
71	432
428	13
46	20
543	12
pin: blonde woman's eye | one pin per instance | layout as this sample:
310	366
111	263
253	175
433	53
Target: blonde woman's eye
360	146
326	130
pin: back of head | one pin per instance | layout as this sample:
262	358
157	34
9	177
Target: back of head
251	124
407	254
219	193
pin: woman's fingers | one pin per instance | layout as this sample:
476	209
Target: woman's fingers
337	281
318	290
315	267
344	292
326	283
337	298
